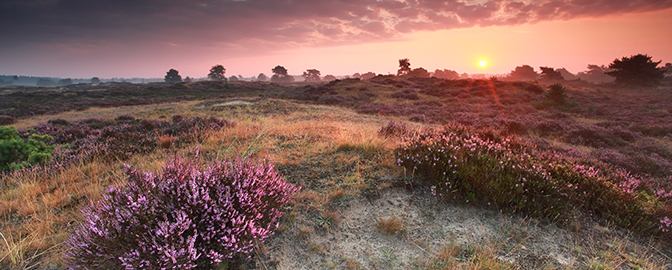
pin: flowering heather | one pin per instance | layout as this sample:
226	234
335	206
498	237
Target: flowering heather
6	120
125	136
185	217
508	174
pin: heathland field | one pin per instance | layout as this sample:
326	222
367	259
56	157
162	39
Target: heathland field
388	173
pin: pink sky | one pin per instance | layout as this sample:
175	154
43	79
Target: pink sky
70	39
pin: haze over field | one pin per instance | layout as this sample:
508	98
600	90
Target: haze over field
82	39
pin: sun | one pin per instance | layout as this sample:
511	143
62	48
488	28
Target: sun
483	63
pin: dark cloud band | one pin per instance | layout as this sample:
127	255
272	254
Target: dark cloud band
307	22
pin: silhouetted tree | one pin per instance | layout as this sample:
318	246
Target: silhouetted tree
368	75
549	73
404	67
595	74
566	74
44	82
357	75
279	70
312	75
419	73
95	80
217	73
668	68
262	77
446	74
233	78
523	73
464	76
16	77
636	70
67	81
173	76
329	78
280	75
187	79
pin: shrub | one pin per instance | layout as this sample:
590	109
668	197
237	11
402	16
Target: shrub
556	94
126	136
185	217
16	152
6	120
507	174
124	118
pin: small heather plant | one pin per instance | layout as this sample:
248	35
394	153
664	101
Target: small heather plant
186	217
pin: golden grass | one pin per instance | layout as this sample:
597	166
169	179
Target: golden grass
392	225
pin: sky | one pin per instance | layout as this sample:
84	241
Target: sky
146	38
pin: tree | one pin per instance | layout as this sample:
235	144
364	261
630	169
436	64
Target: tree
217	73
549	73
16	77
446	74
329	78
262	77
173	76
44	82
523	73
419	73
636	70
566	74
280	75
357	76
67	81
233	78
187	79
279	70
312	75
404	67
95	80
595	74
368	75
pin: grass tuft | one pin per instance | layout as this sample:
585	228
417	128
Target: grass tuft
392	225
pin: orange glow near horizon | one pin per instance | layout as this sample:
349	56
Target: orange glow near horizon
570	44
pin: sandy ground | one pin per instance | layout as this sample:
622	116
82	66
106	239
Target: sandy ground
429	226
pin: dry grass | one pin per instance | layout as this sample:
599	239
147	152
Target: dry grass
390	225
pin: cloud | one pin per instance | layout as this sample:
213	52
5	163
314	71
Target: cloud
277	23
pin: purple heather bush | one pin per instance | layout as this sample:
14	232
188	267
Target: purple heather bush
6	120
510	174
124	137
186	217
